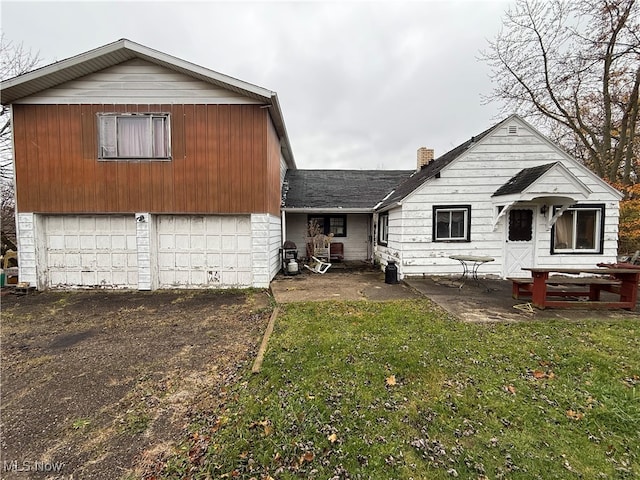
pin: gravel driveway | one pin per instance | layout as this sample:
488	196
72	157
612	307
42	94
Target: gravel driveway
102	384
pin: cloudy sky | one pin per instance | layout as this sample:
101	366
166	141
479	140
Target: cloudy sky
362	85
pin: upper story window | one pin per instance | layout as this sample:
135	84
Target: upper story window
145	136
451	223
579	230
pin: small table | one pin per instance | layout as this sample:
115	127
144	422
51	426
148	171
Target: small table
470	264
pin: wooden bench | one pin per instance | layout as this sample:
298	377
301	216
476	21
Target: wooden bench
523	287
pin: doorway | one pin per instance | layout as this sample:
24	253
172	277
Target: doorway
519	243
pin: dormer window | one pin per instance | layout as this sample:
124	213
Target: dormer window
144	136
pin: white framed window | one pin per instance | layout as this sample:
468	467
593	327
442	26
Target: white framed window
579	230
383	228
451	223
135	136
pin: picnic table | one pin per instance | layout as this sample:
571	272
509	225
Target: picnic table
470	265
621	281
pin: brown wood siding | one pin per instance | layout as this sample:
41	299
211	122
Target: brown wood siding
225	159
273	193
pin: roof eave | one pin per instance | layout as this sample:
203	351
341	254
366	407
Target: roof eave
123	50
327	209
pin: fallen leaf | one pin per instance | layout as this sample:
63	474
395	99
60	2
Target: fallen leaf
574	415
551	375
539	374
308	457
391	380
510	389
332	438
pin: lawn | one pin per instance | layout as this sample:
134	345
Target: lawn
401	390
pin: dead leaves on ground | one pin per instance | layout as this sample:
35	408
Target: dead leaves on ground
265	424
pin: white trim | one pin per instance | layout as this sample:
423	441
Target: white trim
326	210
568	157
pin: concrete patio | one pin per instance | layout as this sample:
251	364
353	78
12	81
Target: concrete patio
487	301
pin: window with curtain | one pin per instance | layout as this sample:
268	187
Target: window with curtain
451	223
134	137
579	230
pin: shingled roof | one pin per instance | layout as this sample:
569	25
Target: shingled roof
430	170
339	188
521	180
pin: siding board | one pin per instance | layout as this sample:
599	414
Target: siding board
137	81
212	154
221	157
201	171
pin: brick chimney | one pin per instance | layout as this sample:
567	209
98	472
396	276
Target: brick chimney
425	156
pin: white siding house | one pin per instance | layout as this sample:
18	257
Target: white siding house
509	194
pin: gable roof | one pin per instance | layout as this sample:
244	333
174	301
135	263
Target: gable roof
524	178
123	50
431	169
346	189
434	168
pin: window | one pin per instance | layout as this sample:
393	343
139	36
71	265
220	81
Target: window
134	136
336	224
579	230
520	225
383	228
451	223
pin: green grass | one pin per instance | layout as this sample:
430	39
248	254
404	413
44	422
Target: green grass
520	400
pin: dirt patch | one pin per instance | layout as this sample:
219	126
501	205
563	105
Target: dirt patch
104	383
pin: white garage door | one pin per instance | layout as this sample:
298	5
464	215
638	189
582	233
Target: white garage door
91	250
204	250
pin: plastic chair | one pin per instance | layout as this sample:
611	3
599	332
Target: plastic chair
319	266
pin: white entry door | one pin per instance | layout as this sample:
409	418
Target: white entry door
519	242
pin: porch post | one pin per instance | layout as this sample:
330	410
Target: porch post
283	224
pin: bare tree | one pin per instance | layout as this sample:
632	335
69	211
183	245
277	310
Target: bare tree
15	60
7	217
573	68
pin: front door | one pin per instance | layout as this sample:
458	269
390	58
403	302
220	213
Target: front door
519	242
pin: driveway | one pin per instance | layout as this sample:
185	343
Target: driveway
98	382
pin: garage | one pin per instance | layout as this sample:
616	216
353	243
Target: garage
204	251
90	251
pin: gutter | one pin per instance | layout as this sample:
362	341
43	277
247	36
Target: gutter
326	210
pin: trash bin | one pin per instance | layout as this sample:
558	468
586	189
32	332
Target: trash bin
391	273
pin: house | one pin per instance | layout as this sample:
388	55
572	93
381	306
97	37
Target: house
135	169
341	202
508	193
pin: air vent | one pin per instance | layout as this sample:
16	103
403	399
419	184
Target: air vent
512	130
